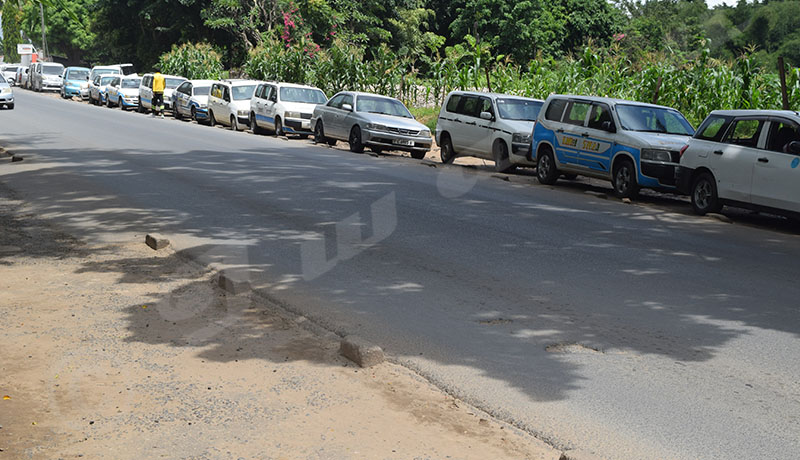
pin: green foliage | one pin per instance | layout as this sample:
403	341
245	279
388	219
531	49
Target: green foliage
195	61
65	36
11	30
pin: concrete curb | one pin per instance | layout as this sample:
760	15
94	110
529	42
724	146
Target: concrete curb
155	241
232	285
360	351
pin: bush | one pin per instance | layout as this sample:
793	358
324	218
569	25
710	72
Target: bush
194	61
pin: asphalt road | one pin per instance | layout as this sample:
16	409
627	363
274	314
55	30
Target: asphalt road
625	331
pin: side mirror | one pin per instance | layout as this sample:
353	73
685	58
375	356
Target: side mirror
608	126
794	147
487	116
347	107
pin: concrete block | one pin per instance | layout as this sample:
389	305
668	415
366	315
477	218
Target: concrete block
360	351
16	158
233	284
156	241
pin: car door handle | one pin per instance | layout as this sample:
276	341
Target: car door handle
559	130
585	134
763	160
717	152
471	123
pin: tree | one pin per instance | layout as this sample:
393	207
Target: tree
65	36
11	30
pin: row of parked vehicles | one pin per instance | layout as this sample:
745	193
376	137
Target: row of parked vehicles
747	158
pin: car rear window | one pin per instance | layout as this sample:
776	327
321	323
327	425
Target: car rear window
713	128
452	104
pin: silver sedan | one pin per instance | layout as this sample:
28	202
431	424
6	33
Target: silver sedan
370	120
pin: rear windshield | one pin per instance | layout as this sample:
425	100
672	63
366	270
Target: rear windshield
131	83
172	83
201	90
78	75
241	93
52	69
519	109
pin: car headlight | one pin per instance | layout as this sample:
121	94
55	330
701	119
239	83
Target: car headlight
5	91
376	127
292	115
521	138
425	133
656	155
242	113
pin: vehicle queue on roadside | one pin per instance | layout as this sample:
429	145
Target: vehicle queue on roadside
742	158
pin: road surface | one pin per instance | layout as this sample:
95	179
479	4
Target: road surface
622	331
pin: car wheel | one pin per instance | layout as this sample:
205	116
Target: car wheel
319	135
502	163
546	169
211	120
356	145
108	102
194	114
176	113
418	154
253	125
704	195
234	123
447	153
139	107
278	127
624	180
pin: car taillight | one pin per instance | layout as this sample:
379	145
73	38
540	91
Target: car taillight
683	149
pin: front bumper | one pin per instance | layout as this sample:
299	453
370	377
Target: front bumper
129	101
201	113
663	172
297	125
683	179
392	141
51	85
70	91
7	98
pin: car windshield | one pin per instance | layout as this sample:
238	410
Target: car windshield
518	109
653	120
52	69
305	95
106	80
173	83
201	90
131	82
78	75
382	105
241	93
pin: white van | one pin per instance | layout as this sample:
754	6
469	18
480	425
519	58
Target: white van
632	144
284	108
229	102
146	91
491	126
47	76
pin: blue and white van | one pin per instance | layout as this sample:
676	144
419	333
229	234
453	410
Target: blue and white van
631	144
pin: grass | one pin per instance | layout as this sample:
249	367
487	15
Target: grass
426	115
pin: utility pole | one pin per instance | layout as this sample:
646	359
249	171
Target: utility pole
44	40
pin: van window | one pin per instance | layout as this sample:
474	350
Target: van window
452	104
576	113
745	132
713	128
555	109
781	133
471	106
601	113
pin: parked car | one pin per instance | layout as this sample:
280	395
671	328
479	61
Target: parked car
146	91
123	91
46	76
631	144
6	93
744	158
9	71
190	99
370	120
97	90
284	108
491	126
22	73
75	82
229	102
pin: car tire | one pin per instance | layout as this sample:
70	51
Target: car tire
355	141
176	113
108	102
194	114
418	154
319	135
502	163
211	120
447	153
624	181
546	169
139	107
253	125
279	127
704	195
234	123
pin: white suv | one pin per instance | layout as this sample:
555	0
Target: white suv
744	158
47	76
229	102
284	108
492	126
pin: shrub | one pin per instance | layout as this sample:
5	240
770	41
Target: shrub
193	61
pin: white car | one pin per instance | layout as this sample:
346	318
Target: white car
229	102
370	120
123	92
97	89
10	72
744	158
47	76
284	108
22	76
6	93
146	91
491	126
190	99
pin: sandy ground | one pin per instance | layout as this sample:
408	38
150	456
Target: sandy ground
123	352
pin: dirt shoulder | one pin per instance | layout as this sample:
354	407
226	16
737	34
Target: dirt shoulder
122	352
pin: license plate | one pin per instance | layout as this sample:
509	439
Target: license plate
403	142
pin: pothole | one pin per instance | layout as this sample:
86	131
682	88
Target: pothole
495	321
571	347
